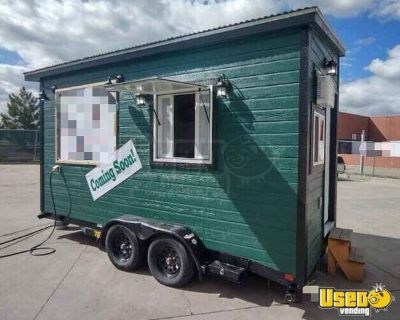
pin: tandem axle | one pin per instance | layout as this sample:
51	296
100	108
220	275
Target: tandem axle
174	253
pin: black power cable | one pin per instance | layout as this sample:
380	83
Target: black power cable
27	235
34	250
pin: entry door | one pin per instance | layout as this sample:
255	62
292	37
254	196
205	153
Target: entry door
327	160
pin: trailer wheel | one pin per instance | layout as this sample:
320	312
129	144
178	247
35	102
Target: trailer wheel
290	297
169	262
293	295
123	248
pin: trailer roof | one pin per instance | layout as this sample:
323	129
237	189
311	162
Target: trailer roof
285	20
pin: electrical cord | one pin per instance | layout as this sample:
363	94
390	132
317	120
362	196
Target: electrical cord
23	237
35	249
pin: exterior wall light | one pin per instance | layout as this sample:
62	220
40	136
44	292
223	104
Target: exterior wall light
118	79
222	86
330	67
108	82
42	94
140	100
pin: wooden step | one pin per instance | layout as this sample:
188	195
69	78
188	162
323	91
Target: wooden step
357	255
341	234
339	249
354	271
332	264
341	254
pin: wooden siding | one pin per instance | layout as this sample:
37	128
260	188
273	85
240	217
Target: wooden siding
249	211
315	184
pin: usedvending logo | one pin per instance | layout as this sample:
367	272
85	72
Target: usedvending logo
356	302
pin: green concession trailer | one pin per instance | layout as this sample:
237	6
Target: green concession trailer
212	152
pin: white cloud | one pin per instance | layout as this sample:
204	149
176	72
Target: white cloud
47	32
11	80
378	93
337	8
388	9
363	42
390	68
383	9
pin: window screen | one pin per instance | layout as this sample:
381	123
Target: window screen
86	120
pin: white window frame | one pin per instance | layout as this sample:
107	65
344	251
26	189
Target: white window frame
320	117
207	161
78	162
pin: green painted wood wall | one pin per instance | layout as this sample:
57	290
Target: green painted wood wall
318	51
249	211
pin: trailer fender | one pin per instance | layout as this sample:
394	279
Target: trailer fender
145	229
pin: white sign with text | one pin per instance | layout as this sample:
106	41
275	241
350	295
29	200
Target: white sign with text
123	163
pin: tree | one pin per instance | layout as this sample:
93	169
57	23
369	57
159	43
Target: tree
23	111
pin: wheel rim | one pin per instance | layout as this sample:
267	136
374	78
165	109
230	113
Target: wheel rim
168	261
122	247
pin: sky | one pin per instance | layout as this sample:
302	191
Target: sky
35	34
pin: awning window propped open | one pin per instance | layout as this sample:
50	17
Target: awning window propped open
154	86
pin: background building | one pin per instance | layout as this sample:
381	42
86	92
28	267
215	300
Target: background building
382	146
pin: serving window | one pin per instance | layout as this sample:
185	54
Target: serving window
86	124
183	129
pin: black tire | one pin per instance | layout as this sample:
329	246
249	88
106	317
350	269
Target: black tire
293	295
123	248
169	262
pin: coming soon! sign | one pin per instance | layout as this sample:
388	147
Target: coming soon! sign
124	163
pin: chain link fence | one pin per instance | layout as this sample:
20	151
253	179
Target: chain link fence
19	145
371	158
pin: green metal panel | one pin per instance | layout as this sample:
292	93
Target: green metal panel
248	211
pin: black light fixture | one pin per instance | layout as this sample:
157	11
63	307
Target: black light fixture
330	67
108	82
222	86
42	94
140	99
141	102
118	79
